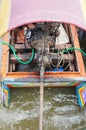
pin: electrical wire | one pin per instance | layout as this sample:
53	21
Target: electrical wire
59	53
71	49
60	64
15	55
68	60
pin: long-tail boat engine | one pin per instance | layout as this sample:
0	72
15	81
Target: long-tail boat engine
47	38
52	47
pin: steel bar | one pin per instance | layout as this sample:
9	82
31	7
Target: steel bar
41	106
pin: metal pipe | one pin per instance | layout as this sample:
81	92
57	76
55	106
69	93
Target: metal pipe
41	95
41	106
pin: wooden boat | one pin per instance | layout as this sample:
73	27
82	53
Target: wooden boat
57	65
40	48
63	68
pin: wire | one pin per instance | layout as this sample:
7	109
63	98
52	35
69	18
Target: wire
60	60
68	60
15	55
67	51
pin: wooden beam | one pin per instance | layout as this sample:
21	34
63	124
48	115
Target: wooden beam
21	46
53	57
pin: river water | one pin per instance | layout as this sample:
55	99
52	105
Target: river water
61	110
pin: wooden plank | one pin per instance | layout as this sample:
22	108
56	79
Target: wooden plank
24	57
21	46
79	59
5	55
12	37
72	68
65	46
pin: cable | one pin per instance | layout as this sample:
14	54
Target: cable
70	49
17	58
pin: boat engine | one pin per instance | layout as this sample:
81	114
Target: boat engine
47	39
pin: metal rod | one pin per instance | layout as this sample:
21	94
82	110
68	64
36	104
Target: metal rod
41	94
41	106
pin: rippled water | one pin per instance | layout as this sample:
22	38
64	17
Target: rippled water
61	110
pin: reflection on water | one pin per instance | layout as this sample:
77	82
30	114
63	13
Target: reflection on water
61	110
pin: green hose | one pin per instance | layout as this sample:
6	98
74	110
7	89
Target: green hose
17	58
73	48
33	53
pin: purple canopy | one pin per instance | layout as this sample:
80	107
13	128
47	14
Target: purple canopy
18	12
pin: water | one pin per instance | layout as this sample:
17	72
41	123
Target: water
61	110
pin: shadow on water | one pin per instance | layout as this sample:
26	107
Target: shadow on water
61	110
